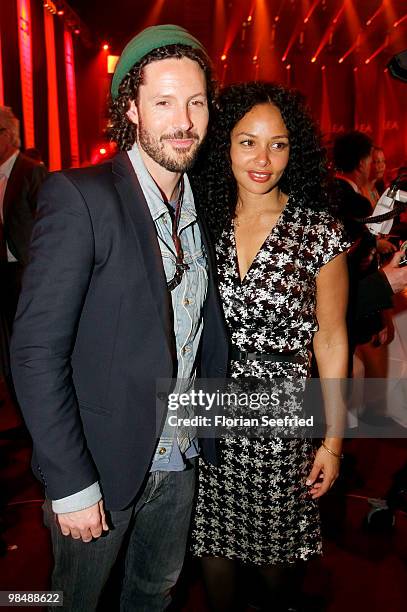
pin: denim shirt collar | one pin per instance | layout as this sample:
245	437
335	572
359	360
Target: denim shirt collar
152	193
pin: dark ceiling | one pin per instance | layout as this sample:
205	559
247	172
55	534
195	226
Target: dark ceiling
119	20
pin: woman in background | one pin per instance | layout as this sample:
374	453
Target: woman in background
282	278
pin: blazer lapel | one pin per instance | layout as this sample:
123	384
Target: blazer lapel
132	196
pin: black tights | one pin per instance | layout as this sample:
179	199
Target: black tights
277	586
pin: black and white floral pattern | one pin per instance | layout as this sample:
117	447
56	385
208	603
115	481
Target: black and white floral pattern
255	506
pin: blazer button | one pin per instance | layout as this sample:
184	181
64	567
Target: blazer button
162	451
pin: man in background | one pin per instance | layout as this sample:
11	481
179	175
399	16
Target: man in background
352	154
20	179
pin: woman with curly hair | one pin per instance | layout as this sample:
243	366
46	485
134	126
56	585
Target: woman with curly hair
283	281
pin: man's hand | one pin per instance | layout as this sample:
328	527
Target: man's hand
86	524
396	276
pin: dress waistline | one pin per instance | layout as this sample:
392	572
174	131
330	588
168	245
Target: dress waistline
288	357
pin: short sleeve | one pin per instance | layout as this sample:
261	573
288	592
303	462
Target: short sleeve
327	239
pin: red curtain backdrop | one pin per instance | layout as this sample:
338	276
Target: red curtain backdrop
26	71
71	90
54	160
33	79
1	77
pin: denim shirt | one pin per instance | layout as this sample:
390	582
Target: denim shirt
187	302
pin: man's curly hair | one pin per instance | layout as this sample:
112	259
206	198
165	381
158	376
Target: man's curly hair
120	129
305	176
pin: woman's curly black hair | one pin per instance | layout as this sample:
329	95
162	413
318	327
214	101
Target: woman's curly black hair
305	176
120	129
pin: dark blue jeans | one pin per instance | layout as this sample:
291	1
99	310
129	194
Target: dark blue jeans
154	531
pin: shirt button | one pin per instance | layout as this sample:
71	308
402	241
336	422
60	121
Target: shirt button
186	302
162	451
185	349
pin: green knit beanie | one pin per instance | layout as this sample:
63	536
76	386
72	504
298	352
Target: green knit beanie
148	40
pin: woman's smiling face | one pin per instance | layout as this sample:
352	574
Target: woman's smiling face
259	149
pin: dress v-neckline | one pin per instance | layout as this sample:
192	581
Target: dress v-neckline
265	241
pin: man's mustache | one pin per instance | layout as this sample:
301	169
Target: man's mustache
180	135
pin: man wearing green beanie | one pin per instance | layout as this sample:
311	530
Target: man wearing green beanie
119	294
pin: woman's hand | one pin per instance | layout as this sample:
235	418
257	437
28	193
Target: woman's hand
323	474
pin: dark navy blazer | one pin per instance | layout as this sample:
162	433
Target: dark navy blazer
93	333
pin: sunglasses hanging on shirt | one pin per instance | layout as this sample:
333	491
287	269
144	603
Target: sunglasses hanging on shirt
175	214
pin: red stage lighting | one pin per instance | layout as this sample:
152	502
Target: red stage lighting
105	47
349	51
311	10
61	12
77	31
292	41
378	50
375	14
397	23
224	57
102	151
329	32
50	6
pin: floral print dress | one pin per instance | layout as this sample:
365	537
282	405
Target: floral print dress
255	505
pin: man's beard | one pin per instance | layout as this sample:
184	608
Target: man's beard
181	161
